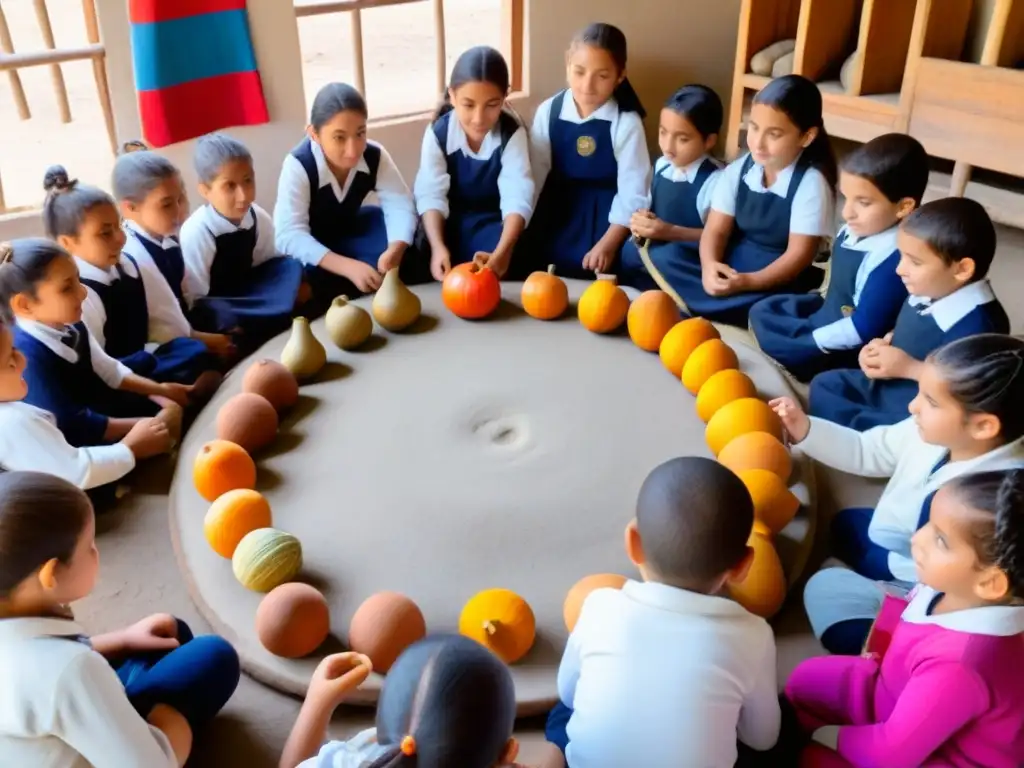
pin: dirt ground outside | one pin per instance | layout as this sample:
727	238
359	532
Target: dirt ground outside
398	43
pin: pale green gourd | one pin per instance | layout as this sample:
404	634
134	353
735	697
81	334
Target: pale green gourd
266	558
348	326
303	354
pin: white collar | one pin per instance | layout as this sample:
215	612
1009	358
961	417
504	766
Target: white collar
608	111
166	243
326	175
1009	456
755	179
991	621
219	225
951	309
880	241
31	627
681	601
457	139
89	271
25	410
51	337
687	173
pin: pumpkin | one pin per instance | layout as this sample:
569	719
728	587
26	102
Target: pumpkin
222	466
705	361
582	589
293	620
774	504
748	414
545	296
721	388
603	306
266	558
684	337
757	450
249	420
501	621
231	516
385	625
763	589
471	291
273	381
651	316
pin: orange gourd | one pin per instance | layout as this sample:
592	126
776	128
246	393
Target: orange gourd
651	316
471	291
248	419
273	381
603	306
222	466
774	504
682	339
231	516
722	388
705	361
757	450
545	295
581	589
748	414
763	590
501	621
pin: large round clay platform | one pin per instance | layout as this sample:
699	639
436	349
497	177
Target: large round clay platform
457	457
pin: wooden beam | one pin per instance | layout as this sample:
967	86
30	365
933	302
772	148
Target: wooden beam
337	6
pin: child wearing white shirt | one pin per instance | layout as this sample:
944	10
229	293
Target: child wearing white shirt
667	672
132	697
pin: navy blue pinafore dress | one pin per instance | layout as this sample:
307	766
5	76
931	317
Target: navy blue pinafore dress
760	236
474	221
126	332
674	202
572	210
170	262
258	300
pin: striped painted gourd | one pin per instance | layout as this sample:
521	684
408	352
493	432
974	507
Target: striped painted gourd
266	558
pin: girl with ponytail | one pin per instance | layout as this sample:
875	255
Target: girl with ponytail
948	688
589	159
770	209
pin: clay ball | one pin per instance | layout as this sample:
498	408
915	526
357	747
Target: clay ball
273	381
385	625
248	420
293	620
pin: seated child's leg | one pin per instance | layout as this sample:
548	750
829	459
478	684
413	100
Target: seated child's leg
197	678
850	398
792	740
632	271
182	361
558	721
832	690
835	597
819	756
123	405
851	544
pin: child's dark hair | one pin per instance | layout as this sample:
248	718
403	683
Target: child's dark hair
481	64
700	105
68	202
800	100
138	171
447	701
998	534
895	163
956	228
41	518
694	517
611	39
23	265
985	374
214	150
333	99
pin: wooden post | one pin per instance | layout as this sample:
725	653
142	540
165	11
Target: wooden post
442	51
512	30
99	72
59	89
358	61
7	46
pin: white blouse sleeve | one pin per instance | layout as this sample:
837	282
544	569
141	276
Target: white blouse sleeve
727	187
540	148
291	215
872	453
94	315
199	249
265	248
813	209
515	180
166	320
706	193
112	372
432	180
395	201
634	161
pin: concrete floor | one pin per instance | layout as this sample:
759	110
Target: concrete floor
139	576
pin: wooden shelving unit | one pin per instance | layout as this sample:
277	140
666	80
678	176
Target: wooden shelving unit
907	77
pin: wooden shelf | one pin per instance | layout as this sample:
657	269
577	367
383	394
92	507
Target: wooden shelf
826	36
1004	205
886	27
1004	43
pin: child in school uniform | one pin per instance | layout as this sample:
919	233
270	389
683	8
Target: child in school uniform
446	701
133	697
946	250
231	262
95	399
589	158
948	690
474	189
320	217
668	667
770	209
153	203
882	181
684	176
85	221
965	418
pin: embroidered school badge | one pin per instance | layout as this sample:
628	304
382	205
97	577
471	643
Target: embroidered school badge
585	146
847	310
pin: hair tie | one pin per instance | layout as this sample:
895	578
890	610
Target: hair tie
408	746
133	145
6	253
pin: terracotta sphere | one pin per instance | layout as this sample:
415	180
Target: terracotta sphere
249	420
273	381
293	620
385	625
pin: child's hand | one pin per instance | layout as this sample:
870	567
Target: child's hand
336	676
496	262
158	632
149	437
598	259
646	224
440	263
718	279
220	344
794	420
364	277
176	393
887	362
390	259
175	727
